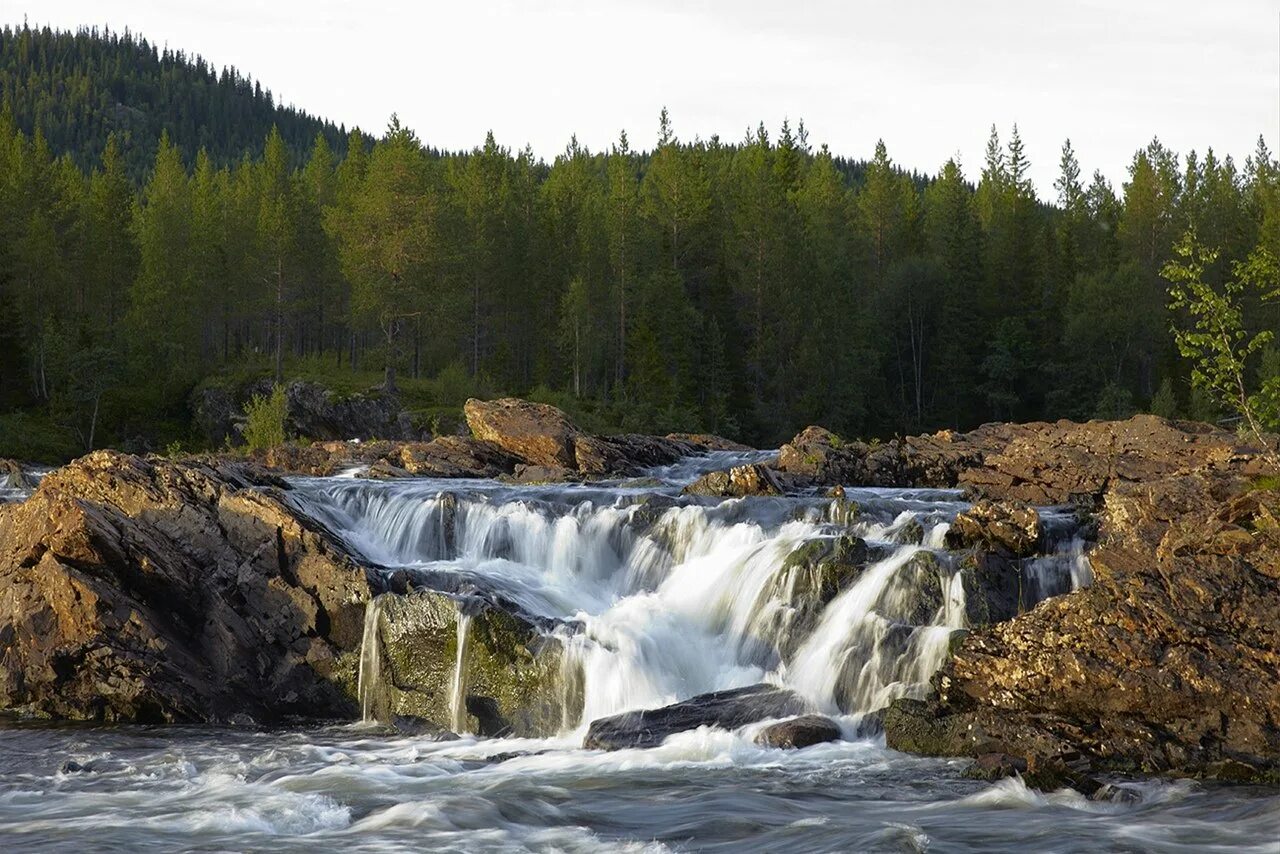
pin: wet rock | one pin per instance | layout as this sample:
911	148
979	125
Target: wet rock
512	673
542	474
724	709
803	731
738	482
488	714
995	766
629	454
145	590
994	588
13	477
539	434
708	442
1010	529
910	534
810	577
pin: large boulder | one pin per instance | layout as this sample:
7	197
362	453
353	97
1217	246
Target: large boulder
730	709
512	678
143	590
804	731
320	413
535	432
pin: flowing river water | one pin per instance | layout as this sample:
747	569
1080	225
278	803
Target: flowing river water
654	598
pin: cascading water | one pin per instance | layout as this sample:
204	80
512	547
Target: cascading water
458	688
642	597
370	672
661	597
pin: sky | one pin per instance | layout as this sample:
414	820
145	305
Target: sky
929	77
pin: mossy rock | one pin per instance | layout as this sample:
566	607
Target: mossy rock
505	659
810	577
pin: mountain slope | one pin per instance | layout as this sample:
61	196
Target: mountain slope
76	88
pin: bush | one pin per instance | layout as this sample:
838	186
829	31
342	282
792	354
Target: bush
264	420
1164	403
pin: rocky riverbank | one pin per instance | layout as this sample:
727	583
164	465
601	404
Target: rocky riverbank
144	589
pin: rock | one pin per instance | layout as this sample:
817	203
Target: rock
724	709
910	534
804	731
708	442
810	577
144	590
737	482
541	474
993	589
1037	463
512	679
995	766
13	477
1168	663
628	454
312	412
1010	529
539	434
318	413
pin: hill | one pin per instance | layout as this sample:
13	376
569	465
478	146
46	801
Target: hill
78	87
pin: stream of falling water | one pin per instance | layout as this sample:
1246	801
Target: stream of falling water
370	672
671	597
657	598
458	688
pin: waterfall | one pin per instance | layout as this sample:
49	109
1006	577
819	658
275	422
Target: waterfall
663	597
370	672
458	687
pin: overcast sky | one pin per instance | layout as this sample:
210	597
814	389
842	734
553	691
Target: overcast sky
928	77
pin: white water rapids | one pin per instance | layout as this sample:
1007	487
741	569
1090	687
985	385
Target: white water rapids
669	597
658	598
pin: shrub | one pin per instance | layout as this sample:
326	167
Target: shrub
264	420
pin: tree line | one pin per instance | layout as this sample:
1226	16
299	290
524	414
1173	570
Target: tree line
747	288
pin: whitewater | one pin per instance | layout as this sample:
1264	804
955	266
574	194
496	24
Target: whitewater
653	597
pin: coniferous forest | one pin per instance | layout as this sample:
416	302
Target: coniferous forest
165	226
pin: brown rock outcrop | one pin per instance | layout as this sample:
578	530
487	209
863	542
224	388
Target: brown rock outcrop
539	434
143	590
1038	463
1010	529
1169	662
737	482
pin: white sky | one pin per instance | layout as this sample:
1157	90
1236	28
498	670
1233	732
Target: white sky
928	77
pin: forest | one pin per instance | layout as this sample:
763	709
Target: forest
744	287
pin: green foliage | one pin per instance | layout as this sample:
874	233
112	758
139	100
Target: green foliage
1115	403
264	420
78	87
747	288
1164	403
34	437
1217	343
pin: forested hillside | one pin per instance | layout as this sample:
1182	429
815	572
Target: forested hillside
76	88
747	287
